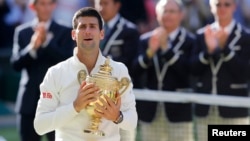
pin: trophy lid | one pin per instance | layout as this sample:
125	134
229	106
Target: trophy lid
104	73
105	69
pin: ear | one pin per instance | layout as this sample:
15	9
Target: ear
182	15
73	34
32	7
118	6
102	34
54	6
234	7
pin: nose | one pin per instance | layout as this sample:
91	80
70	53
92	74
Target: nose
87	30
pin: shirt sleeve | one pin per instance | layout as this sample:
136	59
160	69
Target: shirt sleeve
128	108
49	115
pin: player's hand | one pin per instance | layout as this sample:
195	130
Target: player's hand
108	108
87	93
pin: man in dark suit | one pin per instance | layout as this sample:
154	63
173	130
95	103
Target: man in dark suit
121	36
120	41
164	55
37	46
220	63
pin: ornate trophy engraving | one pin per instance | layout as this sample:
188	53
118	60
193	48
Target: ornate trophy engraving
109	86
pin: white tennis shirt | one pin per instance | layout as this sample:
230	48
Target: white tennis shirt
55	109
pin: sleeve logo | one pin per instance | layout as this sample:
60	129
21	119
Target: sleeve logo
47	95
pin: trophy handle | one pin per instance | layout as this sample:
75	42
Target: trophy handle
81	76
123	85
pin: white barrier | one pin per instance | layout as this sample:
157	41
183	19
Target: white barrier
167	96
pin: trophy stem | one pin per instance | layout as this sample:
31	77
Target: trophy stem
93	129
95	122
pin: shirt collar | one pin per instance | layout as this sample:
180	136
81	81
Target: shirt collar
100	60
173	34
228	28
112	22
47	24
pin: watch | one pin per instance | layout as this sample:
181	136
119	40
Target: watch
119	119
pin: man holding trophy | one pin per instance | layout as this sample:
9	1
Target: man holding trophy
88	96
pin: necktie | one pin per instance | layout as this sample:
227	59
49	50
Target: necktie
169	43
106	29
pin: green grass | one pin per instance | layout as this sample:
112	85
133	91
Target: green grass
11	134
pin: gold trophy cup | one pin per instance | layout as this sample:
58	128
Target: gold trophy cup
109	86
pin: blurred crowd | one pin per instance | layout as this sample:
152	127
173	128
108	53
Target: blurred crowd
159	42
16	12
141	12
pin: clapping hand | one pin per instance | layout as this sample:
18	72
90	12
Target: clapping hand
39	36
222	36
215	38
157	40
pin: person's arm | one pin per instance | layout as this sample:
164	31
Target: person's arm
22	54
128	108
60	46
123	111
52	113
49	115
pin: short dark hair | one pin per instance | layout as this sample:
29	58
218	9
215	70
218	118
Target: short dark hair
87	12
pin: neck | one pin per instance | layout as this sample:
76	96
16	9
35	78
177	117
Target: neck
43	20
224	23
171	29
88	59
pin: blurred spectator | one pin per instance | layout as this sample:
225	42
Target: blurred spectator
38	45
120	41
220	62
164	55
121	36
10	16
63	13
241	13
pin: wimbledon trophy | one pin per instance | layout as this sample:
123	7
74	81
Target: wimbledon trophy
108	85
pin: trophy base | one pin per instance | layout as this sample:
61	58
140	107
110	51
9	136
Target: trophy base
95	132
